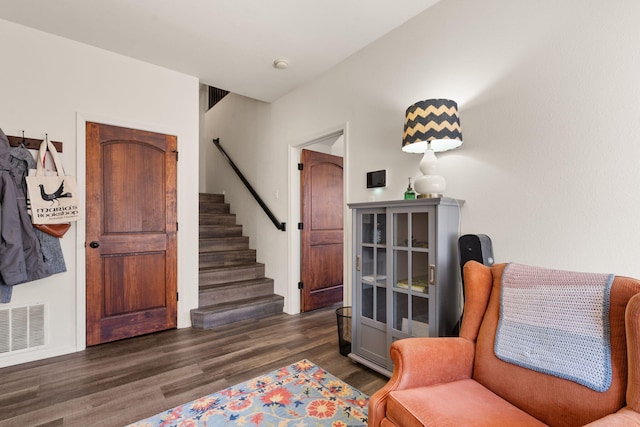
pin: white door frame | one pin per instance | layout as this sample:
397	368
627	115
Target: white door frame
190	293
293	234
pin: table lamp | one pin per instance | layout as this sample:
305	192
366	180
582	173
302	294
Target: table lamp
431	126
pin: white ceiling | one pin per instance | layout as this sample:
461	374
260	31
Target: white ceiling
230	44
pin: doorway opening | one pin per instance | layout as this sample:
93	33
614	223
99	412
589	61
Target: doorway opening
334	142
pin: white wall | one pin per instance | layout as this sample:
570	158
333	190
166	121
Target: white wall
244	128
51	85
548	96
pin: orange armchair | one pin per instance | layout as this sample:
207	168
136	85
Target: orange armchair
460	382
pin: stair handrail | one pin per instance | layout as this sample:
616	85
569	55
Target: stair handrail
279	225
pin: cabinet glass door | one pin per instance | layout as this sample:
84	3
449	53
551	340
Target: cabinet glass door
374	267
411	268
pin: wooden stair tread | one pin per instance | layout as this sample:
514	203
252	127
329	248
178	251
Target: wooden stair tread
224	239
231	267
214	231
210	196
228	251
223	314
238	283
240	303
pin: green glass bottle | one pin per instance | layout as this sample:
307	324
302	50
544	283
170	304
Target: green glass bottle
410	194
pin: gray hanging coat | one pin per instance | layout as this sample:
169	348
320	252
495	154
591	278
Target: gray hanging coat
22	160
21	259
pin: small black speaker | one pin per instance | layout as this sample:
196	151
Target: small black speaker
475	247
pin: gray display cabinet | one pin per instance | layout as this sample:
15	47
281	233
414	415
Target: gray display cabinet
406	279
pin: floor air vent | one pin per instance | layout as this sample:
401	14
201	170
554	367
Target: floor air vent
21	328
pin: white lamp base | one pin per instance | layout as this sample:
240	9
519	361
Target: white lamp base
429	184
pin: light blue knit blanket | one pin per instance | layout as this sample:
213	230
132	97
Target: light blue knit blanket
556	322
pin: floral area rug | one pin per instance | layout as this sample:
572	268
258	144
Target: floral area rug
299	395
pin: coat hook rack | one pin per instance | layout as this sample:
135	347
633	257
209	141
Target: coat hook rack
31	143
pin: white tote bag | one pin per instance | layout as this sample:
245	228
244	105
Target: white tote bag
53	198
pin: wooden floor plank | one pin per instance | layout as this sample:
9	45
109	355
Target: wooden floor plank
117	383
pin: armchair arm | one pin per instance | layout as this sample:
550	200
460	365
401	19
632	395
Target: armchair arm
632	326
625	417
422	362
629	415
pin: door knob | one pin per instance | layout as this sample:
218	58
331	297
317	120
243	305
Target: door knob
94	244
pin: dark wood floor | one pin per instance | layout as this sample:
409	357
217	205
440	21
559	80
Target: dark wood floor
115	384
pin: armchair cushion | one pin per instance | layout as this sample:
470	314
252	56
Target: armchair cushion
625	417
424	361
456	403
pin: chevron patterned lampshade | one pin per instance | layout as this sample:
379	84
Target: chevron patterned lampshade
434	122
431	126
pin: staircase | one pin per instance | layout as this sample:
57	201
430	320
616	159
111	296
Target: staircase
232	283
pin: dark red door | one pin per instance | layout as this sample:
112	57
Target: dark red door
322	233
131	257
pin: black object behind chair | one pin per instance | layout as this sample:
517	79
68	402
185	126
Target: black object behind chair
475	247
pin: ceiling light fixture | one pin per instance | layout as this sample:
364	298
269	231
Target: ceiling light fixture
281	63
